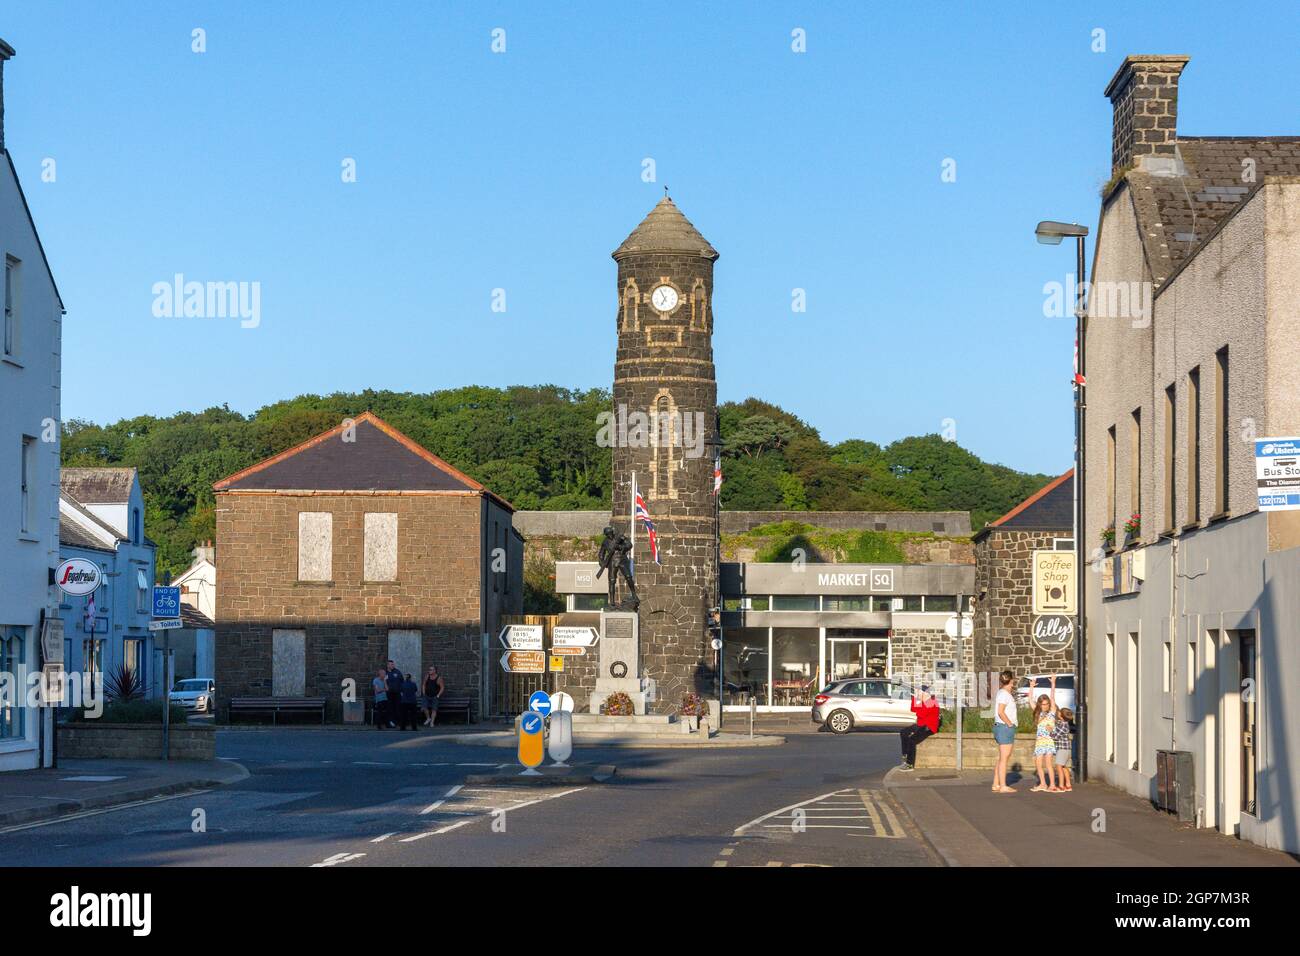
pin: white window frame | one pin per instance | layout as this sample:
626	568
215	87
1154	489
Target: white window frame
27	478
12	307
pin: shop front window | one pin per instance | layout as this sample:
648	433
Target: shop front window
941	602
588	602
843	603
744	666
795	677
794	602
13	664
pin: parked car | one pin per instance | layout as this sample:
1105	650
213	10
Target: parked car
1033	686
863	702
198	694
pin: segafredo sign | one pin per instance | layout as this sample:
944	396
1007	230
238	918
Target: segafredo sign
77	576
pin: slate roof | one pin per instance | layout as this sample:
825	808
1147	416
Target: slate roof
193	617
665	229
379	458
1181	202
98	486
1051	508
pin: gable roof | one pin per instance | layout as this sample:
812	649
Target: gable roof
665	229
98	486
80	528
22	198
1050	508
376	458
1181	201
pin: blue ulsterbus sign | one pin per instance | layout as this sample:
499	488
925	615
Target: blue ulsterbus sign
1277	473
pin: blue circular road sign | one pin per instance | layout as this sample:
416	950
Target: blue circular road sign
540	702
531	723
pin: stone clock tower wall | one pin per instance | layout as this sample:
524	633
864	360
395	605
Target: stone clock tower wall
664	369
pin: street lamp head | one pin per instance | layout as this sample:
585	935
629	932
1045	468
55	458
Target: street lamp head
1051	233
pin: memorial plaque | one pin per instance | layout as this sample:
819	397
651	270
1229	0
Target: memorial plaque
619	656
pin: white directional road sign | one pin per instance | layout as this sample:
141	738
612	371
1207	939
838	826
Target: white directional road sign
522	637
166	625
573	636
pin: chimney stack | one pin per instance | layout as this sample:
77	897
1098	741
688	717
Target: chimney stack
6	51
1144	93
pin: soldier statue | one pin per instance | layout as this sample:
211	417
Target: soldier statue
616	559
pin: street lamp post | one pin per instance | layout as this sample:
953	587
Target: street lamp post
1051	233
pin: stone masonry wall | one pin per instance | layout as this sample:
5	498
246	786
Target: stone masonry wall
1004	620
346	619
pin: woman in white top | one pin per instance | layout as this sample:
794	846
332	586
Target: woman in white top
1004	730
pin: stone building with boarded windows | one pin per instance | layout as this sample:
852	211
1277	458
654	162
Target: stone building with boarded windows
1004	574
352	548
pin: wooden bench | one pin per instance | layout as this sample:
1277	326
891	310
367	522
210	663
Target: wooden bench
276	706
456	705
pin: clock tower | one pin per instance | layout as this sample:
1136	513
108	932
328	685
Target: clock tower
664	379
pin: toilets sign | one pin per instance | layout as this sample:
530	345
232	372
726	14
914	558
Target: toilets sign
1277	474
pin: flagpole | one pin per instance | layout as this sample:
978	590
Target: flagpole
631	558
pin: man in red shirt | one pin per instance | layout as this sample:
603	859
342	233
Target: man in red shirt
927	723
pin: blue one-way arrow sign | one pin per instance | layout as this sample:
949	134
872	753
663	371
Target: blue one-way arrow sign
540	703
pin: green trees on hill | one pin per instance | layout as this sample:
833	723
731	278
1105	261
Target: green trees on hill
536	447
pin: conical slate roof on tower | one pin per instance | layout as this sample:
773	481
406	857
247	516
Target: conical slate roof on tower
666	230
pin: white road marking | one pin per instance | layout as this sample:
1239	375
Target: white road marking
370	763
338	858
437	803
381	839
102	810
91	778
739	831
437	832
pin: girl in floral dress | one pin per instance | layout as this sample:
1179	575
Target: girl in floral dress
1045	741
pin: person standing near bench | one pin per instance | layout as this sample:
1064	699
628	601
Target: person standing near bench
395	682
927	723
380	688
433	688
410	707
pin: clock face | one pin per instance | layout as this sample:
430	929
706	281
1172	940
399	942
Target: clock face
664	298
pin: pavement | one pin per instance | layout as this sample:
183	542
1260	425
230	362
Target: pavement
1093	825
75	786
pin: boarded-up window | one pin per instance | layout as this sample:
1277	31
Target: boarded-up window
315	545
288	663
381	547
404	651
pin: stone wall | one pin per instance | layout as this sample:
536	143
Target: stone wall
978	752
1004	619
915	650
589	524
92	741
440	575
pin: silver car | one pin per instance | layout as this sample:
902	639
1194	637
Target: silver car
863	702
198	694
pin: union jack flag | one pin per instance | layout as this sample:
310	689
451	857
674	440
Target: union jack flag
717	474
649	527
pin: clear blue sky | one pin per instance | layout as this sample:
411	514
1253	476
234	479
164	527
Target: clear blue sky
522	171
